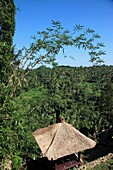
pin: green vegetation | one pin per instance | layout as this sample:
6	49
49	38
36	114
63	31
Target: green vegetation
105	166
79	91
34	98
7	28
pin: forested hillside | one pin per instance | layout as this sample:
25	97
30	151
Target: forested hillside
83	95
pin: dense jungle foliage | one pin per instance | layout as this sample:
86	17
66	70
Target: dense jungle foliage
33	98
83	95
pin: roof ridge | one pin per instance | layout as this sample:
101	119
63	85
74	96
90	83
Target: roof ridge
52	140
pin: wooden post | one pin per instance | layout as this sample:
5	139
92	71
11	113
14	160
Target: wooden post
78	156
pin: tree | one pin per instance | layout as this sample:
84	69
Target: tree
7	28
105	105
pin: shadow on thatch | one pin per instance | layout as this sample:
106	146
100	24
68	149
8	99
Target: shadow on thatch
97	152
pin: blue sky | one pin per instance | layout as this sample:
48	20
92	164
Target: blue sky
36	15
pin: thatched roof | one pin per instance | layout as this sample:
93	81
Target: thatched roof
61	139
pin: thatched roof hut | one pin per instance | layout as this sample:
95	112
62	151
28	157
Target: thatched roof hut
61	139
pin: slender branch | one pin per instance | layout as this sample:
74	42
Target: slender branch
38	61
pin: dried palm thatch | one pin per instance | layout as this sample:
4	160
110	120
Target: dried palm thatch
61	139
